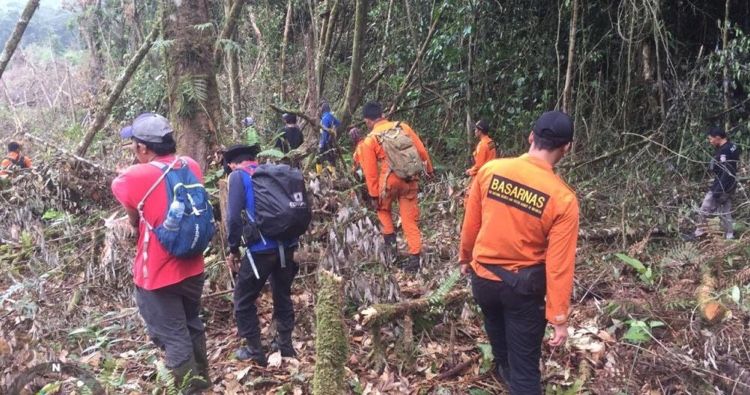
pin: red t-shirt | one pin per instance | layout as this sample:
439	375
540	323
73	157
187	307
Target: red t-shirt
160	268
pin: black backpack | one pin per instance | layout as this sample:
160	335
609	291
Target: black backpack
282	209
19	162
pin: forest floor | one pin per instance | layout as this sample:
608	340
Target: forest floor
666	317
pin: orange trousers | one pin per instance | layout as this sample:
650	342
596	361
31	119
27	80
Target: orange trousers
406	195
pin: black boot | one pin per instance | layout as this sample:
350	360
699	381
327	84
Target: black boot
283	344
412	263
390	248
252	352
201	361
186	377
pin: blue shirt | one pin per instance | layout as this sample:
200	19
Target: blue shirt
329	122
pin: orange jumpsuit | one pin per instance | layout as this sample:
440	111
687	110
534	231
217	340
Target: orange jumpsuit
387	187
519	213
484	153
7	162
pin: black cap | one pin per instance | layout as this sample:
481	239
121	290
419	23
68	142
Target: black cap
482	125
555	126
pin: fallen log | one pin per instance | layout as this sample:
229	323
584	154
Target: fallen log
379	314
710	309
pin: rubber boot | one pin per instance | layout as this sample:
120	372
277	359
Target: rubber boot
318	168
331	170
412	263
390	248
201	361
186	377
283	344
252	352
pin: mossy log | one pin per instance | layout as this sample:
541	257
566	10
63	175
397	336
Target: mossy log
331	345
379	314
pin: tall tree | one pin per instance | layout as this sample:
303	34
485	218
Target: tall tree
194	102
354	85
567	105
15	37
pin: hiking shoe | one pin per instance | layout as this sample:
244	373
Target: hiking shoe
729	236
251	354
412	264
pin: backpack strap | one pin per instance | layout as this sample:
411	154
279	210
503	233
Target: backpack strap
164	170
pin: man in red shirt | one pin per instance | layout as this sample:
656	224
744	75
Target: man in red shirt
168	290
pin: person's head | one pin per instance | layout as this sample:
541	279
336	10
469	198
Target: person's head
289	119
151	135
355	135
372	112
552	136
239	155
248	121
14	147
324	107
482	127
716	136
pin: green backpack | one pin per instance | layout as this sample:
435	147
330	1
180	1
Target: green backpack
403	157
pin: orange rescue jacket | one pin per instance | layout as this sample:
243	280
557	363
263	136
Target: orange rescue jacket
484	153
519	213
371	156
8	161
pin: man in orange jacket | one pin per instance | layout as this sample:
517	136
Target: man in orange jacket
384	187
485	150
534	255
14	159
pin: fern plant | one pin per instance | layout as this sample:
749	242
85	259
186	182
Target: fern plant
437	297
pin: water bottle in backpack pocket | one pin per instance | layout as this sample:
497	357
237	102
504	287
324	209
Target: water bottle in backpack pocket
189	223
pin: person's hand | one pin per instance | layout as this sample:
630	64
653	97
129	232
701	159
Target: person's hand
468	172
560	334
465	269
233	263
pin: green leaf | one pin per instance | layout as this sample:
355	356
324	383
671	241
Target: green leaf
656	324
487	357
632	262
478	391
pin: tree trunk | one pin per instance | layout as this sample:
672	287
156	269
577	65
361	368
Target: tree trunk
15	37
235	92
724	44
568	89
324	44
230	27
284	43
102	114
354	85
331	346
194	102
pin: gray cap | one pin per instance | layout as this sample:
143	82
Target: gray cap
148	127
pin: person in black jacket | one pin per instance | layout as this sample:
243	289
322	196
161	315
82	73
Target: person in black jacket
718	200
291	136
